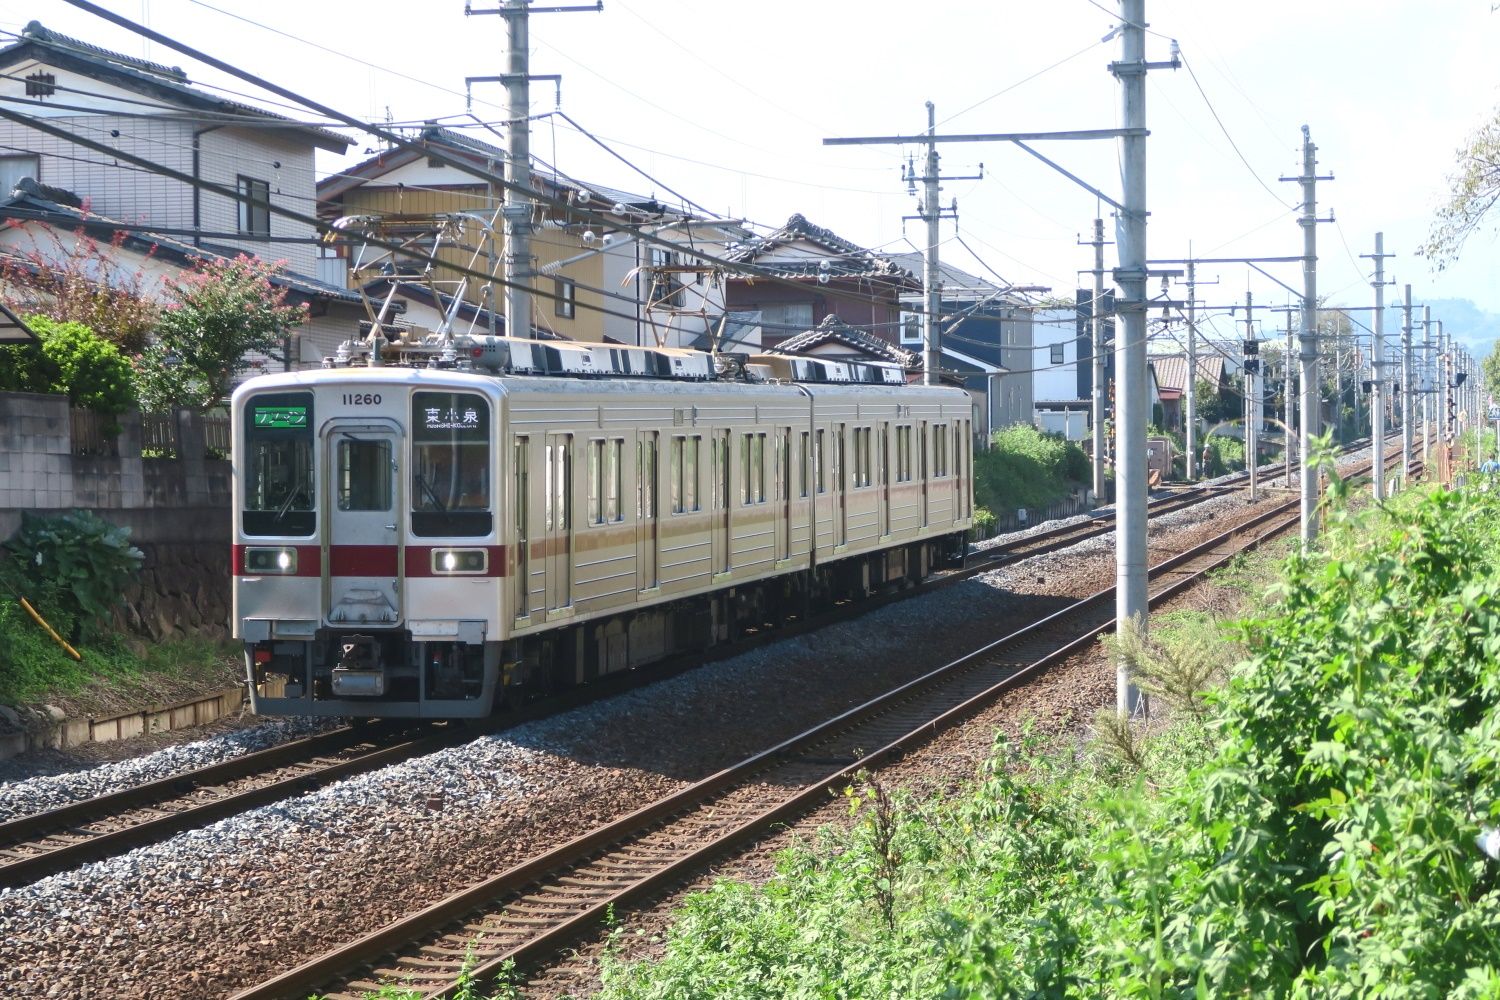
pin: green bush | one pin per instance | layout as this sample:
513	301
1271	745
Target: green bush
1225	455
81	562
1320	834
73	361
1027	468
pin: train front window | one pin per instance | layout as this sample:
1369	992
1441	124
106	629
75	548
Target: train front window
450	469
280	495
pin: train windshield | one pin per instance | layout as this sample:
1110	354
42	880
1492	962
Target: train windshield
450	468
277	465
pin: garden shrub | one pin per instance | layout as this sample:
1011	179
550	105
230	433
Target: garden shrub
1027	468
72	361
80	562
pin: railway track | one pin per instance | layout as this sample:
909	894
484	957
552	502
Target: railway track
32	847
539	906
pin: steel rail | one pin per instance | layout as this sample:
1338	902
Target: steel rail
41	844
581	868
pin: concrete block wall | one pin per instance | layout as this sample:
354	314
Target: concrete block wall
38	470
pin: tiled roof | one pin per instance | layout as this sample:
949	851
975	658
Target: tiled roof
168	83
28	202
843	260
835	331
1171	369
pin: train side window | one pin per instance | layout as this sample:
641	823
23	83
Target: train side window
818	460
596	482
939	451
746	493
690	473
753	469
645	477
674	474
804	443
614	452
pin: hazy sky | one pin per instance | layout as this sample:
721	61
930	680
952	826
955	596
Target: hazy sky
728	102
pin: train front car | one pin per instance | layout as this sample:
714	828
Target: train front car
367	563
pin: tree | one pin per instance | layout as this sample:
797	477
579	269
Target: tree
1475	188
216	316
81	282
1489	370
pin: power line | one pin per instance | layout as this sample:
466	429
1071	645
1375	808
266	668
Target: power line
1233	145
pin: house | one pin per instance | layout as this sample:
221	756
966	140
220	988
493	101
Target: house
1171	376
1064	369
156	112
814	274
985	340
838	341
598	283
38	222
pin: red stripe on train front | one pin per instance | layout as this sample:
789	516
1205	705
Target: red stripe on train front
419	560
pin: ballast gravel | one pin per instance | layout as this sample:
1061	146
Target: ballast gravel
38	794
219	908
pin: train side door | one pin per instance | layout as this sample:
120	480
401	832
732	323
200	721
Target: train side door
721	464
782	495
924	469
521	470
362	555
885	480
840	489
648	527
558	521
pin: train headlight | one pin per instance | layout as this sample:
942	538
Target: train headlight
280	560
460	562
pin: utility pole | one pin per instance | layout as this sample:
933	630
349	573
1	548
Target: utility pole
1406	387
1445	391
1253	408
1130	307
932	288
1190	390
1308	339
1131	604
1096	319
1377	366
1427	384
518	208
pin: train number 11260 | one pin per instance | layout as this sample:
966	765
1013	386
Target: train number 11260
361	399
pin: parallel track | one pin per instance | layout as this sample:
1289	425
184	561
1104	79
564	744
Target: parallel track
32	847
38	845
537	907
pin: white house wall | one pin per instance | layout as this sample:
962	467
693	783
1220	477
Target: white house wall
116	191
227	153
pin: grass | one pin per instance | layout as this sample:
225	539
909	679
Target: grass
116	672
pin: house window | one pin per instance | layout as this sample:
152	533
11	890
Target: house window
41	85
1057	354
911	328
566	294
255	219
786	319
14	168
666	289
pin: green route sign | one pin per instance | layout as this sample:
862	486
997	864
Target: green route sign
281	416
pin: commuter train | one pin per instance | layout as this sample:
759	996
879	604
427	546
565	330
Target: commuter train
450	525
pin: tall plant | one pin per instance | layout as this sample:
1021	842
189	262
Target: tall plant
77	279
217	316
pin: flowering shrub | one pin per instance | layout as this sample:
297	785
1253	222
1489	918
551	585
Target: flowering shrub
82	281
216	315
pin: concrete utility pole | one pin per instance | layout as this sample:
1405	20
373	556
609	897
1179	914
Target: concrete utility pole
1377	368
932	287
1427	384
1131	397
1308	338
1445	387
1253	408
1096	332
1287	398
518	207
1407	394
1190	390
